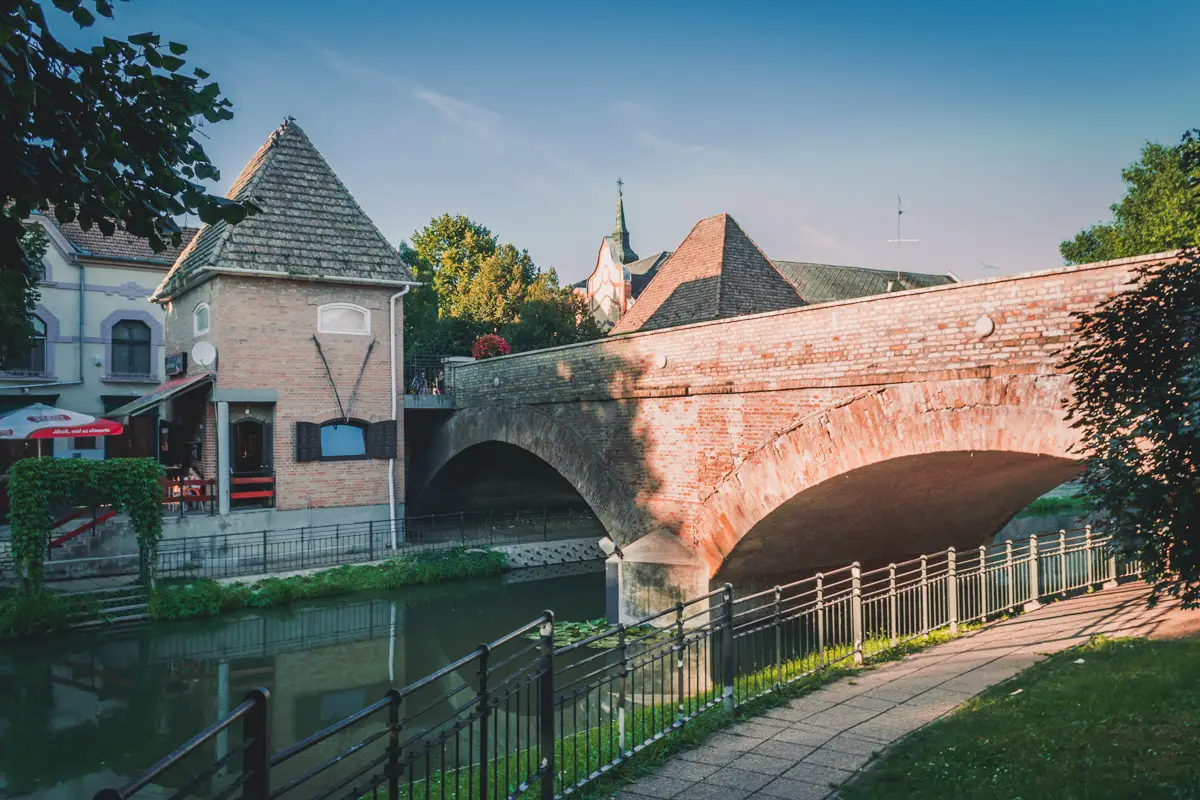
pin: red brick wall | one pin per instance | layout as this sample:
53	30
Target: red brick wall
677	435
262	329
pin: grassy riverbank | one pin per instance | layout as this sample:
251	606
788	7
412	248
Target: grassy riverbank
188	599
38	613
1115	718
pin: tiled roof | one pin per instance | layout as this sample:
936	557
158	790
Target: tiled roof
642	272
825	283
309	224
121	246
717	272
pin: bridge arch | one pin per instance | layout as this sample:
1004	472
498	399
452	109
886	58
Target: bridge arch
561	448
812	490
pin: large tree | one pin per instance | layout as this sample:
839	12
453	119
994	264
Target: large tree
1159	212
1136	403
474	284
104	135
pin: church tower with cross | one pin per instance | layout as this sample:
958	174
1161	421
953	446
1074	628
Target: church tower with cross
619	274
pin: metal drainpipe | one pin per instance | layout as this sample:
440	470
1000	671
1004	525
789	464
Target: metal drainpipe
399	433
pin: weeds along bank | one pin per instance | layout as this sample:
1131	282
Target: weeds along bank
183	599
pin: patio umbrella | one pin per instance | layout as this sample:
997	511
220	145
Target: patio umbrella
40	421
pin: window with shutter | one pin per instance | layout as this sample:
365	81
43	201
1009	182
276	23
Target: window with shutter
308	441
381	439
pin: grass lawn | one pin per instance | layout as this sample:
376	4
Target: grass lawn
1125	723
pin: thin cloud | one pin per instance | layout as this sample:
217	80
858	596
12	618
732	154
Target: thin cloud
477	121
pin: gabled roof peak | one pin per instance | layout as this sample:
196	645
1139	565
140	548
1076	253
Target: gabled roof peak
309	224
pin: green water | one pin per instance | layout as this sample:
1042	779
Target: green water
82	712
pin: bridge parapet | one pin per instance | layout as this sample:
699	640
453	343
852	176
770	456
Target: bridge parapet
1015	325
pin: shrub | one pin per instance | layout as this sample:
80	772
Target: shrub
489	346
38	612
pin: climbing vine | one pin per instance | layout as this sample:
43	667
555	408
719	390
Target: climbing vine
39	485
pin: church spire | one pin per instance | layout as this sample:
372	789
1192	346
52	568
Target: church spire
620	237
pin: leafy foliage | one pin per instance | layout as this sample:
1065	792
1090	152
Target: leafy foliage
1159	212
489	346
19	294
206	598
474	285
1137	405
38	485
38	612
103	135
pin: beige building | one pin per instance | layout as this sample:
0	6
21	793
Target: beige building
98	343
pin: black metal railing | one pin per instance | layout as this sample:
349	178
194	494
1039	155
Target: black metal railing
426	374
519	717
261	552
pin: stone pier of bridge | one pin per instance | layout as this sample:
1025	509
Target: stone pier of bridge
751	448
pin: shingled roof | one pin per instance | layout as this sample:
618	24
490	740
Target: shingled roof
717	272
121	246
309	226
826	283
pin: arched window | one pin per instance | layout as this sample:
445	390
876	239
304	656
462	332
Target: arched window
343	440
200	319
343	318
32	357
130	348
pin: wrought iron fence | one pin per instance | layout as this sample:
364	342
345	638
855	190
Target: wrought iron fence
520	717
260	552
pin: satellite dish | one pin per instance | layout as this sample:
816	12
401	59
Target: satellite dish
204	354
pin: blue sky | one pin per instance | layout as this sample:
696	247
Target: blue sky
1004	126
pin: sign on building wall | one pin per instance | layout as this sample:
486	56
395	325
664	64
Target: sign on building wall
176	364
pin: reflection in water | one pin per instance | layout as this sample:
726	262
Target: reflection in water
81	712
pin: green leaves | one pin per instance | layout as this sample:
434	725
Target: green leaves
38	485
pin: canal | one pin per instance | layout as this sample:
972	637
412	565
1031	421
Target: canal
82	712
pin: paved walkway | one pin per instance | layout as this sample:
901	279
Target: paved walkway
805	749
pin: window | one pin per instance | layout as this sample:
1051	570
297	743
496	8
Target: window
130	348
343	318
200	319
83	443
32	357
343	440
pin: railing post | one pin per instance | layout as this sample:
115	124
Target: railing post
266	565
924	596
1114	577
462	527
727	660
256	758
778	637
483	709
983	593
679	645
1034	594
821	616
893	610
370	540
545	524
546	707
1087	549
1009	592
393	745
952	590
623	655
856	620
1062	562
302	548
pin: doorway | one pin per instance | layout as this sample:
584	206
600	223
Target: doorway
251	464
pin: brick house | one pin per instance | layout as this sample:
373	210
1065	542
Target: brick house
283	337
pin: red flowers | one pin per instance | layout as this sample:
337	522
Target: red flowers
489	346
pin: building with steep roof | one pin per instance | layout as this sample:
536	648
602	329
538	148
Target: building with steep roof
719	272
284	339
619	275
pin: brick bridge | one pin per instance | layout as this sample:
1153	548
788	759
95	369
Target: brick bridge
747	448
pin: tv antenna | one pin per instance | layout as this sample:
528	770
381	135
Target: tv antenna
899	240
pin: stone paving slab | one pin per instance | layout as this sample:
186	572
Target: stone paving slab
806	749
